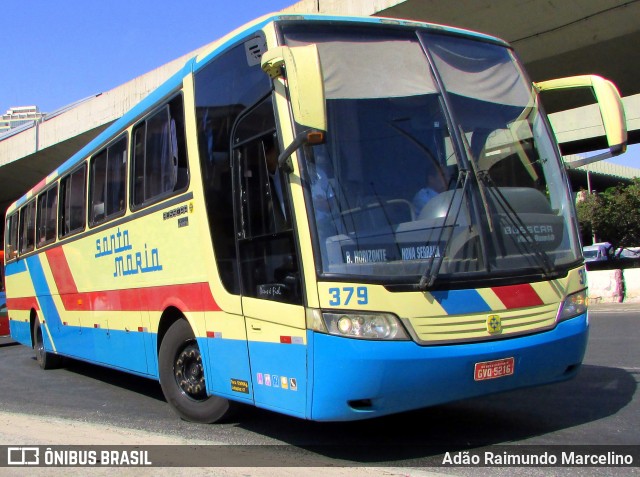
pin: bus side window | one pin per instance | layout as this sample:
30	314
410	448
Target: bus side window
46	216
27	227
107	182
160	155
72	215
224	89
11	237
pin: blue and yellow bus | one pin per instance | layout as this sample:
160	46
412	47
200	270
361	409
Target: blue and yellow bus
332	218
4	317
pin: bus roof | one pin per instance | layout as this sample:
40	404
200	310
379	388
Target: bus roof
197	62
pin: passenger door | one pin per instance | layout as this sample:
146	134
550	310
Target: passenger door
269	265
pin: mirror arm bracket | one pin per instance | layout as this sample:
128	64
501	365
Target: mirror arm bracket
310	136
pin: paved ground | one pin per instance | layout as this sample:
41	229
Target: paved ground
600	406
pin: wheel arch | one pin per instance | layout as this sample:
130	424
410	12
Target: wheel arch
169	316
33	319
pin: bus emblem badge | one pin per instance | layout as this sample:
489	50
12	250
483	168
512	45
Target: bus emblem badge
494	324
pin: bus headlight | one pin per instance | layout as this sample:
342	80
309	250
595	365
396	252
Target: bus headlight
573	305
368	326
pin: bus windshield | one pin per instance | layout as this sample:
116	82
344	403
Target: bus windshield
438	163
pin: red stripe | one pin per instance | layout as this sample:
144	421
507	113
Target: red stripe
518	296
38	187
25	303
186	297
61	271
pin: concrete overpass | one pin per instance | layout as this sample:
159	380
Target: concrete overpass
554	38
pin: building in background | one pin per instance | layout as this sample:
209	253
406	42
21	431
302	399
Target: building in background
18	116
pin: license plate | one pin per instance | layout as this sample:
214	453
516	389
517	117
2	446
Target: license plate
494	369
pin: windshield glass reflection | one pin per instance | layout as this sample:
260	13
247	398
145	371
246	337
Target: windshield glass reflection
416	184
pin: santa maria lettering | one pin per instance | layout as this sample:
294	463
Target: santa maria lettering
114	243
126	260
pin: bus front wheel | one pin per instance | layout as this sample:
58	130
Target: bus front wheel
182	377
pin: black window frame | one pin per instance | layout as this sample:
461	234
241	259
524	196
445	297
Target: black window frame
11	236
225	88
46	196
138	171
62	203
30	246
94	218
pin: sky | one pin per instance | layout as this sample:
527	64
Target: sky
631	158
56	52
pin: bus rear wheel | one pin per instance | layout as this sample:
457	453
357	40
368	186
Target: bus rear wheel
45	359
182	378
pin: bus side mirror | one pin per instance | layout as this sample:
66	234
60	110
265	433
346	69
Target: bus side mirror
300	66
611	110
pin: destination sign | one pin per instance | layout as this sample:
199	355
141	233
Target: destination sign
376	253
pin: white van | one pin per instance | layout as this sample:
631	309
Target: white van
598	252
629	252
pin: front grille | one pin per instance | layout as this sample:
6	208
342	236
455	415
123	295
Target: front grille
473	327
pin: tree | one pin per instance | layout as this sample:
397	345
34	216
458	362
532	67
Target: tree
613	216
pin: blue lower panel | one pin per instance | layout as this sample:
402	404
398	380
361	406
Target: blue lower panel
20	332
357	379
123	349
116	349
227	371
71	339
279	373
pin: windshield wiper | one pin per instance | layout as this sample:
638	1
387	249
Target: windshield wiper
435	263
485	183
516	221
481	185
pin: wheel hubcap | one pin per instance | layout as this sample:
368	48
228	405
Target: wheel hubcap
189	372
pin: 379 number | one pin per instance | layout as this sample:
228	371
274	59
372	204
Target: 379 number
343	296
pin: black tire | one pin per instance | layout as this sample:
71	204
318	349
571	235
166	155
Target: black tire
182	378
45	359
